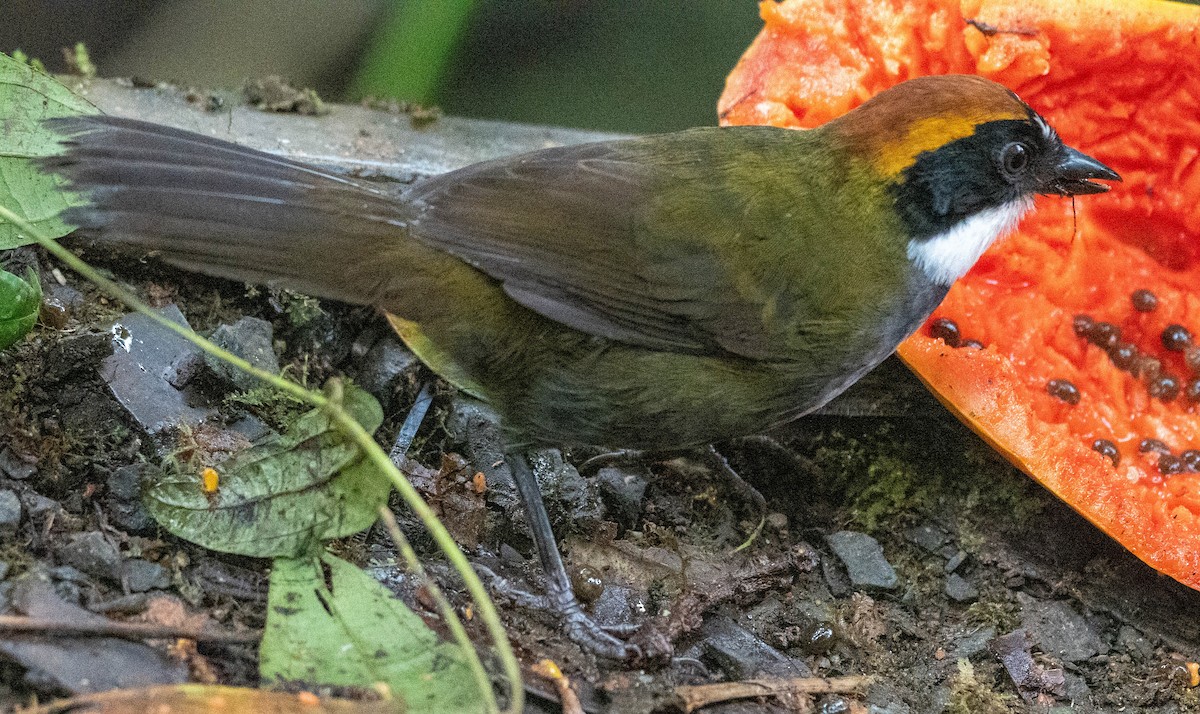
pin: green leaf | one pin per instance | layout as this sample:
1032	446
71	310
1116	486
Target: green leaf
329	623
27	98
20	301
284	497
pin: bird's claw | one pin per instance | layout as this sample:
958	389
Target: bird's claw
603	640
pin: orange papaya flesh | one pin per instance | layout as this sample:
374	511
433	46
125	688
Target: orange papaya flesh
1121	82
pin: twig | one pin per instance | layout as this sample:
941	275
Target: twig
123	630
567	698
701	695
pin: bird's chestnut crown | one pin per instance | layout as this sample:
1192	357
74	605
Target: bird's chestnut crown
953	147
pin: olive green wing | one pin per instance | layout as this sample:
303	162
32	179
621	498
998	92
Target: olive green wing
633	241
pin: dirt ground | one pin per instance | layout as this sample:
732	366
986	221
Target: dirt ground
896	545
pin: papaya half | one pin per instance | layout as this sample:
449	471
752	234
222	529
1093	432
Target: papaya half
1073	346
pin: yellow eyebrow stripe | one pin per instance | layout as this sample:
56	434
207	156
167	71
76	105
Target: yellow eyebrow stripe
924	135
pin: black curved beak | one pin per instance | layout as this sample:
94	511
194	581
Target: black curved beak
1070	176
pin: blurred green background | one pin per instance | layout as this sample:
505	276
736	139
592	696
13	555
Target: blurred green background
621	65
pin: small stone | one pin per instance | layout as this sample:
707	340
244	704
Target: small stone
143	353
14	466
251	427
741	655
37	505
123	497
955	561
928	537
1031	678
1059	629
10	512
93	553
959	590
184	369
615	606
972	644
59	303
568	496
622	491
817	637
1135	643
250	338
142	575
863	557
1076	690
384	368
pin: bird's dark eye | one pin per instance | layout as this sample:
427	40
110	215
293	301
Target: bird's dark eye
1014	157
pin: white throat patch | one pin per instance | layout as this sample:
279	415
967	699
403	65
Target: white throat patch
948	256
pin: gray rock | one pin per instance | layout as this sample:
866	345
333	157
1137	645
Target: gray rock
1030	677
1135	643
143	357
10	512
93	553
142	575
73	353
86	665
14	466
184	369
973	643
1076	690
955	561
37	505
569	498
1059	630
622	491
863	557
959	590
4	568
615	606
250	338
886	698
741	655
927	536
251	427
123	497
387	364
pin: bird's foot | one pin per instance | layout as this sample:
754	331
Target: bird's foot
589	634
580	628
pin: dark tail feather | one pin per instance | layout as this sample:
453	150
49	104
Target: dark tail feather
214	207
